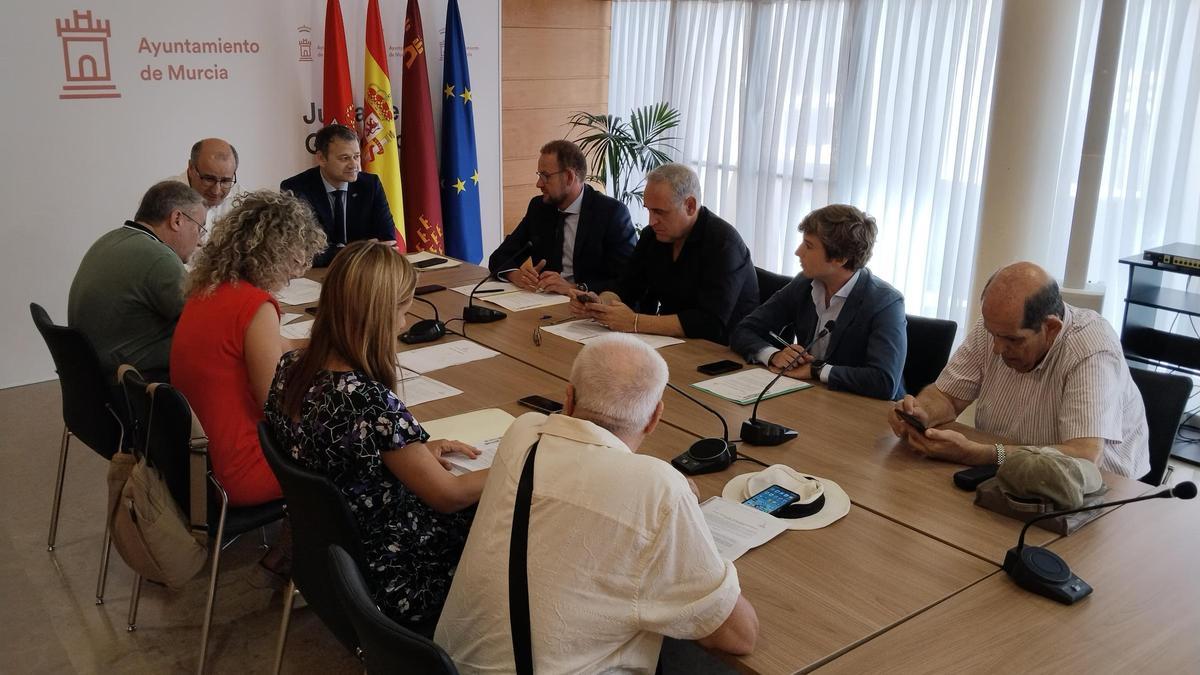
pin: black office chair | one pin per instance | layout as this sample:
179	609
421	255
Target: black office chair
1165	396
929	342
387	647
90	413
769	283
170	445
320	517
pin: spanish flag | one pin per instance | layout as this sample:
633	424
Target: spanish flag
380	153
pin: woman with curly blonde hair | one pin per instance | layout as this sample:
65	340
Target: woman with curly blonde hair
227	342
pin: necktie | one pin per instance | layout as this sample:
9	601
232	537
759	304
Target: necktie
339	216
559	237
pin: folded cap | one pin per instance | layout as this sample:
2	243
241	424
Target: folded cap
821	502
1030	471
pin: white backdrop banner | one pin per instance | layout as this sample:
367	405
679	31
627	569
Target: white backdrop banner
105	98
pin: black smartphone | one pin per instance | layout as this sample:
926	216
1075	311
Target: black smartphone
429	288
969	479
541	404
912	421
772	499
428	262
719	367
585	298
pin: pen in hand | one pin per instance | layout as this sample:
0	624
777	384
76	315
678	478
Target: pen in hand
784	344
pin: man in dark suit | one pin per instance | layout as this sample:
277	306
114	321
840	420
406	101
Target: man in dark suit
349	203
576	236
852	322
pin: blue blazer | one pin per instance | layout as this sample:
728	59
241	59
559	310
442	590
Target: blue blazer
367	212
867	346
604	240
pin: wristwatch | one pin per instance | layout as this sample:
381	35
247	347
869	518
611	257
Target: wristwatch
999	454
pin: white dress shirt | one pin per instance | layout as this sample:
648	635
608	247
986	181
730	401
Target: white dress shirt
825	314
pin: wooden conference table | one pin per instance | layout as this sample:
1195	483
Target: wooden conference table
911	546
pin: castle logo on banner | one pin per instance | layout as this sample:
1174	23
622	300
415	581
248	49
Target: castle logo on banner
85	57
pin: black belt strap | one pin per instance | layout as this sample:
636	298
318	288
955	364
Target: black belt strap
518	571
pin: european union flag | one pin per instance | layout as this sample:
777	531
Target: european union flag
460	170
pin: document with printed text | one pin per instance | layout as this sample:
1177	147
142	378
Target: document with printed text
417	390
744	386
444	355
480	428
586	329
737	528
296	331
299	292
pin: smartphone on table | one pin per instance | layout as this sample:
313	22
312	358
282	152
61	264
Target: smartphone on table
719	367
428	288
428	262
541	404
772	499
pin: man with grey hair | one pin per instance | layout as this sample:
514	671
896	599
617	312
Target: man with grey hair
1043	373
618	552
128	291
690	274
212	171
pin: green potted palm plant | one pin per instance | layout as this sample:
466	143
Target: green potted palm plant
621	152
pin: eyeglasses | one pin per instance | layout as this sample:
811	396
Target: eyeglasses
203	229
209	180
542	175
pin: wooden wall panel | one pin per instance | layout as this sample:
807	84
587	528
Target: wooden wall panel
555	57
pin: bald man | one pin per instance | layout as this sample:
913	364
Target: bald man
212	171
1044	373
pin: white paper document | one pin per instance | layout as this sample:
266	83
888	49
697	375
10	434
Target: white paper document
429	359
520	300
288	317
297	331
737	528
480	428
586	329
418	390
415	258
299	292
744	386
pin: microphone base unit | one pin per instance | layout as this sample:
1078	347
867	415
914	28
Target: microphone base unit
1042	571
707	455
475	314
762	433
426	330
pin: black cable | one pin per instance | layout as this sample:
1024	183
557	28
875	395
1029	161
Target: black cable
742	456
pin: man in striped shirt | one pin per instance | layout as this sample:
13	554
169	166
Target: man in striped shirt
1042	373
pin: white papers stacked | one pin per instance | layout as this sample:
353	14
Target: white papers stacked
737	528
299	292
288	317
481	428
744	386
414	389
588	329
436	357
297	331
512	298
415	258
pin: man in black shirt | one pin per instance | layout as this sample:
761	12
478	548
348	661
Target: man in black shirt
690	274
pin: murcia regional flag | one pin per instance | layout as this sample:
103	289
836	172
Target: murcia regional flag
381	154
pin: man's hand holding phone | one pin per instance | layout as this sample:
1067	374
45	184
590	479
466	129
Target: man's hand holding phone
908	418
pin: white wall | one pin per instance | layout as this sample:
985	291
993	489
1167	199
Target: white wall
77	168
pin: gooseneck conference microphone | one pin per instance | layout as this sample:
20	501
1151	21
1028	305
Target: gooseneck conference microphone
760	432
473	314
426	330
707	455
1042	571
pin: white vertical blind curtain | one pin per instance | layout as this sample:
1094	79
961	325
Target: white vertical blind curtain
788	105
1150	190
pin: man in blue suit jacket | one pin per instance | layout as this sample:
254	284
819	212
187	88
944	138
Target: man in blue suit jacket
350	204
852	323
573	235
